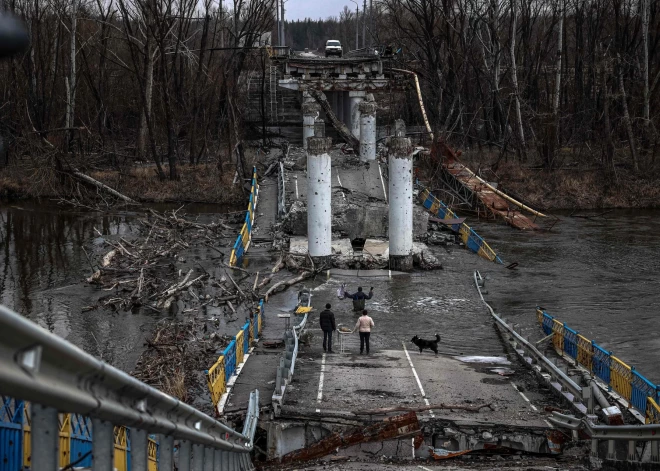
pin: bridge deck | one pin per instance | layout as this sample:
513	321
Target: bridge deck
494	202
394	374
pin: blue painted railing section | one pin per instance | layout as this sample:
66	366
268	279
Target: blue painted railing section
230	359
642	394
245	235
11	434
470	238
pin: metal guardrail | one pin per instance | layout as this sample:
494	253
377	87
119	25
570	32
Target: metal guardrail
637	391
287	363
244	238
56	376
471	239
219	375
555	375
631	434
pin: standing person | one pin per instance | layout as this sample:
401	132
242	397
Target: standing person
359	298
327	321
364	325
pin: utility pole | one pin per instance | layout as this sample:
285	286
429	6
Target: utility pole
282	40
364	24
357	24
277	12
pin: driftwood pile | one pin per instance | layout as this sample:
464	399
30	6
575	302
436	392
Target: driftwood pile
175	266
147	273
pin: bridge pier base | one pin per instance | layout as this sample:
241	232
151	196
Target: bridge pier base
319	193
354	99
311	110
400	200
367	130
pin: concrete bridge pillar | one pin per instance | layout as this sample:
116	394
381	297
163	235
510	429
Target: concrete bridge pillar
311	110
319	127
367	130
354	99
319	192
400	200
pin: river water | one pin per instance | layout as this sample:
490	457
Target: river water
597	275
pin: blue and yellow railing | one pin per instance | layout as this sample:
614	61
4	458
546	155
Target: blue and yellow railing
471	239
233	355
245	236
75	440
640	393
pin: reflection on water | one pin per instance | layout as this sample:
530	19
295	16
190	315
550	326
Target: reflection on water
42	262
600	276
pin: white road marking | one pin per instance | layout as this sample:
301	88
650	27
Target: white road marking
297	189
419	383
382	182
424	468
342	191
319	397
524	397
549	424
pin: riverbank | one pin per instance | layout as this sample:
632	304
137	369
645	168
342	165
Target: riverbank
203	183
574	186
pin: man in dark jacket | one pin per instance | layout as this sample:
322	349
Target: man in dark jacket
327	321
358	298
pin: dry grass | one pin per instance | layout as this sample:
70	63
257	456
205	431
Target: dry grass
175	385
201	183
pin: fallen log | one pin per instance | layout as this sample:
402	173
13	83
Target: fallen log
287	283
385	410
101	186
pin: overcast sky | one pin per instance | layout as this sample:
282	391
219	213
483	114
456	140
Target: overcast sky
315	9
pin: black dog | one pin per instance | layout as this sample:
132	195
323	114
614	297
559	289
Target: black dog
430	344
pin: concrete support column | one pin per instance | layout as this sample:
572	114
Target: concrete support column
319	193
311	110
354	99
401	201
367	131
319	128
347	110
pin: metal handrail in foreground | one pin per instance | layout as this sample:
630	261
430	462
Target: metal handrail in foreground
558	377
56	376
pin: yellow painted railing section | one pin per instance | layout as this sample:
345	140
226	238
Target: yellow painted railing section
245	235
621	378
216	377
558	335
585	352
438	208
652	412
121	449
640	393
239	347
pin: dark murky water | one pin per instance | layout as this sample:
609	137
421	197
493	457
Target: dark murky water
42	265
600	276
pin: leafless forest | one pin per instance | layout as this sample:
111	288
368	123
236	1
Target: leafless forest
538	82
538	79
122	80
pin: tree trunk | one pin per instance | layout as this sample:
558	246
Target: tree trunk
626	117
554	144
71	82
514	77
146	110
608	162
